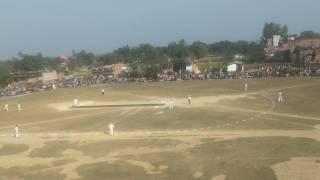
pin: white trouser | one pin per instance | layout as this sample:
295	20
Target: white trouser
280	99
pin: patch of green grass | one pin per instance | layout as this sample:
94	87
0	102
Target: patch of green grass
102	148
51	149
10	149
38	172
251	158
116	171
62	162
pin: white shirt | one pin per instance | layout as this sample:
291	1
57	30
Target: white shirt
75	102
16	129
111	126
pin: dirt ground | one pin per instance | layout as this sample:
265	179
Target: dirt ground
225	133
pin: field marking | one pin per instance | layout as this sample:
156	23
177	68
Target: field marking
183	135
282	88
289	122
269	113
59	119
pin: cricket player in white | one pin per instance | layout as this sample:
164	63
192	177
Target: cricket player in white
75	102
110	127
189	99
280	99
16	132
171	104
6	108
19	108
102	92
246	87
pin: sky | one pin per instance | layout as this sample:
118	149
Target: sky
55	27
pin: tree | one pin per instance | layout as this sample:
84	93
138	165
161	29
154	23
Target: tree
82	59
251	51
5	76
179	52
136	70
152	71
271	29
309	35
29	62
199	49
145	53
284	32
106	59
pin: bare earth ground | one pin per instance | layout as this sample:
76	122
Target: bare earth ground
225	133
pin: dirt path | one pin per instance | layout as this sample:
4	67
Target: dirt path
269	113
183	134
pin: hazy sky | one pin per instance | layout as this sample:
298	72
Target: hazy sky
59	26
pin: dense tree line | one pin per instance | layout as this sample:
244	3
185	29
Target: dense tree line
5	75
309	35
145	59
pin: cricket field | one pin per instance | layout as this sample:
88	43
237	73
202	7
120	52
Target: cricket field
226	133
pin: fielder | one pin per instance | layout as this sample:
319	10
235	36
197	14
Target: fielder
246	87
280	98
6	108
110	128
189	99
75	102
171	104
102	92
19	108
16	132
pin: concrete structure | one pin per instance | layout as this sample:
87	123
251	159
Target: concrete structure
276	41
232	68
189	68
46	77
193	68
117	69
306	43
308	49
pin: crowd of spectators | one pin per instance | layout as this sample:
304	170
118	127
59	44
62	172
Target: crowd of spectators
15	91
76	81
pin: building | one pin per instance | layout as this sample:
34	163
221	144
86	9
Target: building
193	68
117	69
235	67
274	45
307	49
276	41
47	77
25	75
